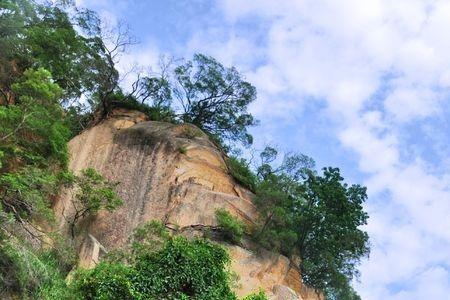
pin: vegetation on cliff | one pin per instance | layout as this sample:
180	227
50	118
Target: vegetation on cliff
314	216
176	268
50	60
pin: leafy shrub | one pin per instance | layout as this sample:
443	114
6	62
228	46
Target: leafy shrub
26	193
240	171
149	238
257	296
35	123
232	227
183	269
106	281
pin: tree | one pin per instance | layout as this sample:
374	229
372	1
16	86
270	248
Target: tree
278	195
80	53
331	243
13	58
38	35
108	45
33	146
93	193
317	217
209	95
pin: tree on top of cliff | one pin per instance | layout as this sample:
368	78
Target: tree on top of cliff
205	93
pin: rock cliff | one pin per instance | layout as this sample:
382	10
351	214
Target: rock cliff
171	173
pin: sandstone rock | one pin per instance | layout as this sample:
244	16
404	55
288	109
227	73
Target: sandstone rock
90	253
282	292
159	181
260	270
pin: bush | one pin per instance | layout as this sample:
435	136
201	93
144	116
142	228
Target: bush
149	238
183	269
106	281
232	228
241	172
257	296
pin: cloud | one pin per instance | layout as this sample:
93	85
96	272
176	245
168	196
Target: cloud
378	66
411	103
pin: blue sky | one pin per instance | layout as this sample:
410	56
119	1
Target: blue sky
361	85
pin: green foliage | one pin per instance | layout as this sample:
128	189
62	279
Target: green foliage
37	85
277	231
39	34
28	274
240	171
212	97
93	194
315	216
32	129
161	114
149	238
2	154
182	269
27	192
331	242
56	45
107	281
232	227
257	296
154	113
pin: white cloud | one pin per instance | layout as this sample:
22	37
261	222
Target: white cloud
410	103
378	65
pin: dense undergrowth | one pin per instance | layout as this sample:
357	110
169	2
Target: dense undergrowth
155	266
179	269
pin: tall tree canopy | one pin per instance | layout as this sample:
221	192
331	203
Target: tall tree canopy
82	61
205	93
317	217
35	35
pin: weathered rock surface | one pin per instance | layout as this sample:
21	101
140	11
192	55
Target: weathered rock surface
172	173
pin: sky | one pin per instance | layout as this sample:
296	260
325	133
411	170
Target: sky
359	85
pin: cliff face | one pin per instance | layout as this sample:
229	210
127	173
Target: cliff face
171	173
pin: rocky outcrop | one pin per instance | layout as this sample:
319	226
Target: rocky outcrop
175	174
